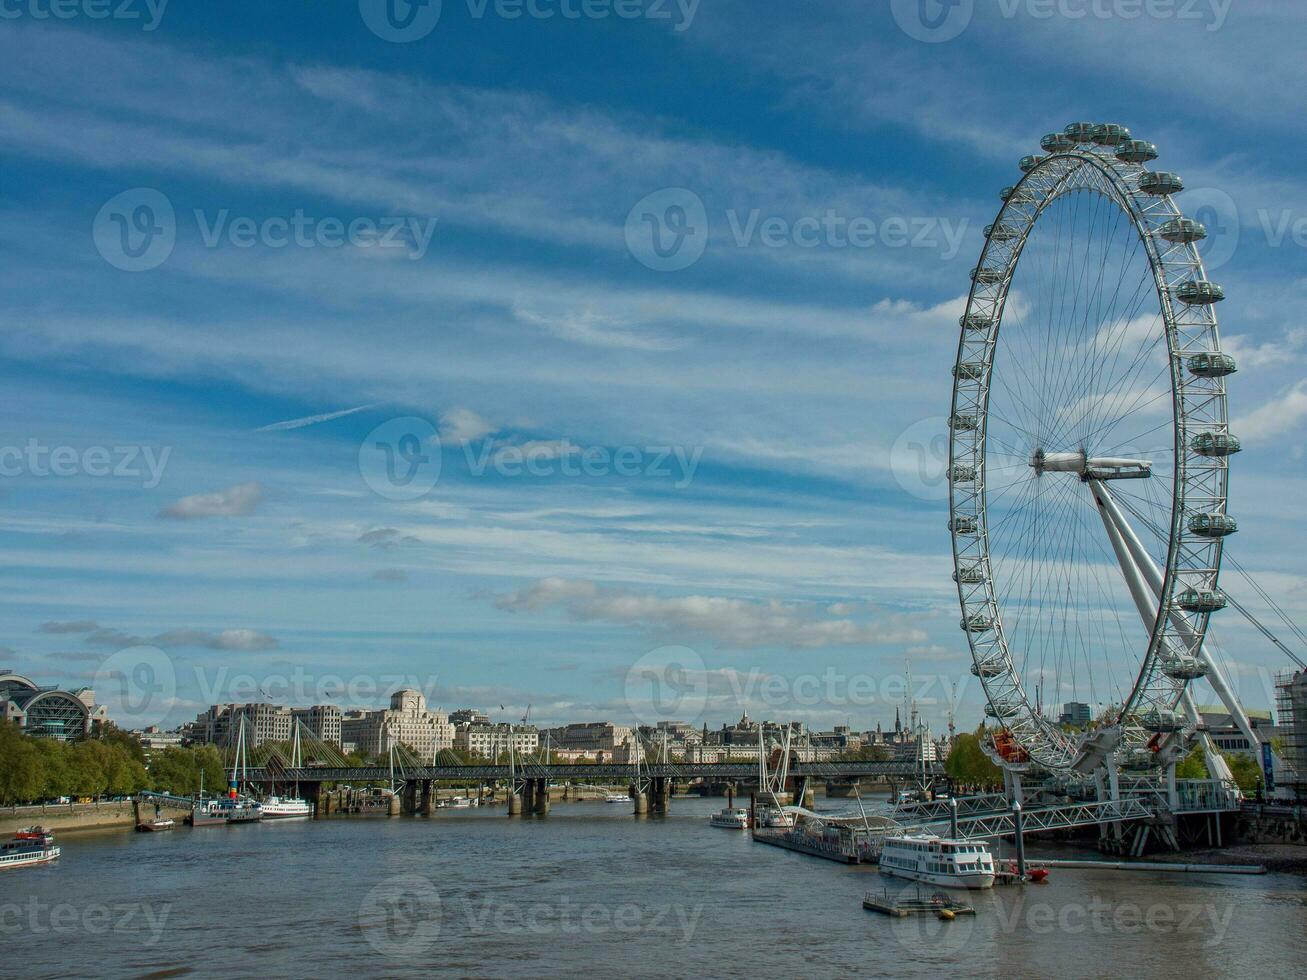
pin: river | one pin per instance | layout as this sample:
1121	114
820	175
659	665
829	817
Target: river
590	890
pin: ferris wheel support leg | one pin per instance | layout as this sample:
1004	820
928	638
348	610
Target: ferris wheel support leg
1112	516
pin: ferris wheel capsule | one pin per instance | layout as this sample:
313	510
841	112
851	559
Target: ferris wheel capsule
987	277
1199	292
1184	668
1215	444
968	370
1162	721
988	669
961	473
1201	600
999	232
975	321
979	623
1081	132
1057	143
1160	183
1136	151
1212	365
1029	163
1109	134
1182	231
1212	525
970	575
1017	195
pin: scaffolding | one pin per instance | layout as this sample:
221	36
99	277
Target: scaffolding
1291	706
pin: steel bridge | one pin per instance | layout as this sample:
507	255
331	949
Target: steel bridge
681	771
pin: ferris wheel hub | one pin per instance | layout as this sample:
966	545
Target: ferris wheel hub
1091	467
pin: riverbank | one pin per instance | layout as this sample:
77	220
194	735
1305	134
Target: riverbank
1291	858
71	817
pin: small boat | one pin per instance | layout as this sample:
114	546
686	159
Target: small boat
774	816
939	861
732	818
208	812
462	802
285	807
35	845
617	798
156	824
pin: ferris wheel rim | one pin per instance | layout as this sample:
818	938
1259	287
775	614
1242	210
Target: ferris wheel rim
1135	191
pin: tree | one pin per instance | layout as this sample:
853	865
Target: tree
22	778
968	765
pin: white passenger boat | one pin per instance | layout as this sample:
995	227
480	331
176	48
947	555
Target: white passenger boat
617	798
938	861
35	845
732	818
774	816
284	807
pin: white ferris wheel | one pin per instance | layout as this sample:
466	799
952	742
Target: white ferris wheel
1089	453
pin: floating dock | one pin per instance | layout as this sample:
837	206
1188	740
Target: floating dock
901	908
1207	869
782	838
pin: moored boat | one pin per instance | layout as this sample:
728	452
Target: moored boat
732	818
939	861
285	807
35	845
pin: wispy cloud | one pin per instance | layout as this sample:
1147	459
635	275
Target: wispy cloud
730	622
308	420
237	501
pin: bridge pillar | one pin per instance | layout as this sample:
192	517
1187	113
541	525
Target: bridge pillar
542	797
427	806
641	801
514	803
410	806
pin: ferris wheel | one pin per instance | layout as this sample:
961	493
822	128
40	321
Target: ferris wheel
1088	466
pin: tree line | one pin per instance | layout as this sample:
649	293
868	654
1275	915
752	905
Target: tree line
108	763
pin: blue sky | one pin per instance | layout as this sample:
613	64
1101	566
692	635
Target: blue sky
711	423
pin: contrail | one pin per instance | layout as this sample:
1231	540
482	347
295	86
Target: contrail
311	419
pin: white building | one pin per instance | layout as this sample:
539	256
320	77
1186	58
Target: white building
407	721
491	741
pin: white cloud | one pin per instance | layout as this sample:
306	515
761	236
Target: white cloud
460	425
729	622
1281	414
237	501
